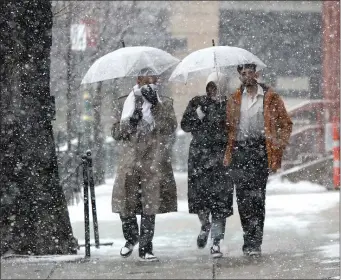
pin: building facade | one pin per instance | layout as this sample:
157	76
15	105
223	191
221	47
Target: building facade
286	35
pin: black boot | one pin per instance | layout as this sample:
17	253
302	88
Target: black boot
203	236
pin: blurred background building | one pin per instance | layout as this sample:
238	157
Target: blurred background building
286	35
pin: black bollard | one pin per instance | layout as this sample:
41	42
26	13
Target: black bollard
86	206
93	197
89	183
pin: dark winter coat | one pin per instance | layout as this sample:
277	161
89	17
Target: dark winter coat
208	185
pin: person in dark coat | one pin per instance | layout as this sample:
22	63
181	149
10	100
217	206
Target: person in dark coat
209	188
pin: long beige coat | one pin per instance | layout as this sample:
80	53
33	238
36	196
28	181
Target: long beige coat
145	159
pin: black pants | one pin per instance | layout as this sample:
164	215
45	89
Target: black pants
250	173
131	232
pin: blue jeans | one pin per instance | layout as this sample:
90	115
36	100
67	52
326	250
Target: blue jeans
217	226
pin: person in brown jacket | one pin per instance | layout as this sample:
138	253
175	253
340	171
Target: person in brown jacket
259	129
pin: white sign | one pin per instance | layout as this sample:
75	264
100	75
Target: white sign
78	37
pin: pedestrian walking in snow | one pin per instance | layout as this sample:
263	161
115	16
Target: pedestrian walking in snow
258	130
210	191
144	184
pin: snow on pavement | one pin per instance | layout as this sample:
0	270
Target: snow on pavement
279	186
284	201
331	251
289	207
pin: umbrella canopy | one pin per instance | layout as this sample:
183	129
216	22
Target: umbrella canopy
222	58
128	62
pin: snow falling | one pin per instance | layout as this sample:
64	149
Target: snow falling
159	139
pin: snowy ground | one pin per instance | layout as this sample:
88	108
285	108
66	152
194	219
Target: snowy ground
301	238
289	206
284	201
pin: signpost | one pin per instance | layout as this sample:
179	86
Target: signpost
87	118
78	37
83	37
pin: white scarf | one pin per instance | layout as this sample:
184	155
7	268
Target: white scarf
129	105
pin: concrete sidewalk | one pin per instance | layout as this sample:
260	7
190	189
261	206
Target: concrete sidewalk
288	253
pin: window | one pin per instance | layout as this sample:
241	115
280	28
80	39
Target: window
176	44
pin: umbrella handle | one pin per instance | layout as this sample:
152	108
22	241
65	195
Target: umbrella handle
217	70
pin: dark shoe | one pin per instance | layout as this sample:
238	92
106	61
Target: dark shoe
256	253
215	252
252	252
203	236
148	257
127	250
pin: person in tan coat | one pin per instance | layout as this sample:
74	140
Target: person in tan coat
258	129
144	126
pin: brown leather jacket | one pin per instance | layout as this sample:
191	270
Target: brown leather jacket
277	126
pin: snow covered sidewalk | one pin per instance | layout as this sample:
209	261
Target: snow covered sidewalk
301	240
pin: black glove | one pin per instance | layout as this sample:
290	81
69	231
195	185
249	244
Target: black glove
149	94
137	115
205	103
195	102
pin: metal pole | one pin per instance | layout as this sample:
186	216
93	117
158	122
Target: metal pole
93	198
68	79
86	206
87	117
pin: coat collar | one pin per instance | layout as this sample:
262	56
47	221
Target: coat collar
260	91
237	96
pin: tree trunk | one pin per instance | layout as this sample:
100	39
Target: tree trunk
34	215
99	153
69	98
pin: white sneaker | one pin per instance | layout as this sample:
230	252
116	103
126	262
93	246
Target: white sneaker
255	253
126	250
215	252
148	257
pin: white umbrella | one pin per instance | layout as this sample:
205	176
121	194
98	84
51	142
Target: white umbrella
127	62
222	58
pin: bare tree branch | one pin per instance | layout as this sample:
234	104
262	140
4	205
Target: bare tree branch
66	7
